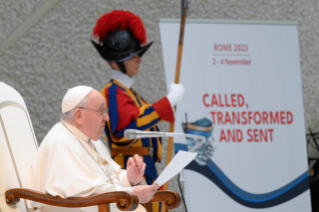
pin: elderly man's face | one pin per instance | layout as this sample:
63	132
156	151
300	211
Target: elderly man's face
94	122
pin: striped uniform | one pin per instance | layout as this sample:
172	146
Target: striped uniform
127	110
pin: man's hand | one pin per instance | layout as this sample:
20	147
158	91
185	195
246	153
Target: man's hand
135	169
145	192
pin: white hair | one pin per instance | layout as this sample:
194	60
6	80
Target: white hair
69	116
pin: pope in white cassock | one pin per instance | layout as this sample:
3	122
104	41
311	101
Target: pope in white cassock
73	162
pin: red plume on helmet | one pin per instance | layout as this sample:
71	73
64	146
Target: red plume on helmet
120	20
121	36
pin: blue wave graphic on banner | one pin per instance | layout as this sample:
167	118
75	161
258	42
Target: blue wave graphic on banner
276	197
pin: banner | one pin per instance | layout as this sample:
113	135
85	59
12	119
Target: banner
244	94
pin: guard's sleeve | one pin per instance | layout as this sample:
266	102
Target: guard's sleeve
124	114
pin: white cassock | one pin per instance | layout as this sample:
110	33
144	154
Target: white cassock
69	164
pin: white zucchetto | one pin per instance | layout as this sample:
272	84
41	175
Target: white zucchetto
74	96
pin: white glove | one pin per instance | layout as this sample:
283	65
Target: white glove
175	94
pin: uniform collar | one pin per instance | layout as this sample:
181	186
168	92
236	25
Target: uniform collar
78	134
122	78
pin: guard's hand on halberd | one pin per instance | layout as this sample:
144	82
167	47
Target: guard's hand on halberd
135	169
175	94
145	192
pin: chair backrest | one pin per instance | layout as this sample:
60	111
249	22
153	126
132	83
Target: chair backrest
18	145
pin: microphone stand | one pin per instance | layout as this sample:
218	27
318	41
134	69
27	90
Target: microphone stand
180	181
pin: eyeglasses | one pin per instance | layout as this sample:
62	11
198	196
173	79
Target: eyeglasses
98	112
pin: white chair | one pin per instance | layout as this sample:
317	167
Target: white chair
18	145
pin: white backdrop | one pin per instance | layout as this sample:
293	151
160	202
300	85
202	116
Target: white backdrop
245	79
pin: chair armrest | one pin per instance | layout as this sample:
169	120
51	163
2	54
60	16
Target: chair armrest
171	199
124	200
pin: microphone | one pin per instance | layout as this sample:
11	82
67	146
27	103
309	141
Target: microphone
134	134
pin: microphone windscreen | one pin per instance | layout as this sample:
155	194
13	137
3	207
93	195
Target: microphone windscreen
130	134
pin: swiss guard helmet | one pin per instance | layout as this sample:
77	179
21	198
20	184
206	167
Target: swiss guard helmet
120	36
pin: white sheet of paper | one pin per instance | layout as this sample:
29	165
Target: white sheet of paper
179	162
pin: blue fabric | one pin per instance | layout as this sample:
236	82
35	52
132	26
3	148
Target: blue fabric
155	148
113	107
151	170
148	111
140	104
146	141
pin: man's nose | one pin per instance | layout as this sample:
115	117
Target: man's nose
106	117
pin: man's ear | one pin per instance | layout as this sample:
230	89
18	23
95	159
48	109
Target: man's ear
114	66
78	116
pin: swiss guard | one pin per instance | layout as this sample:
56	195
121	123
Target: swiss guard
120	38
